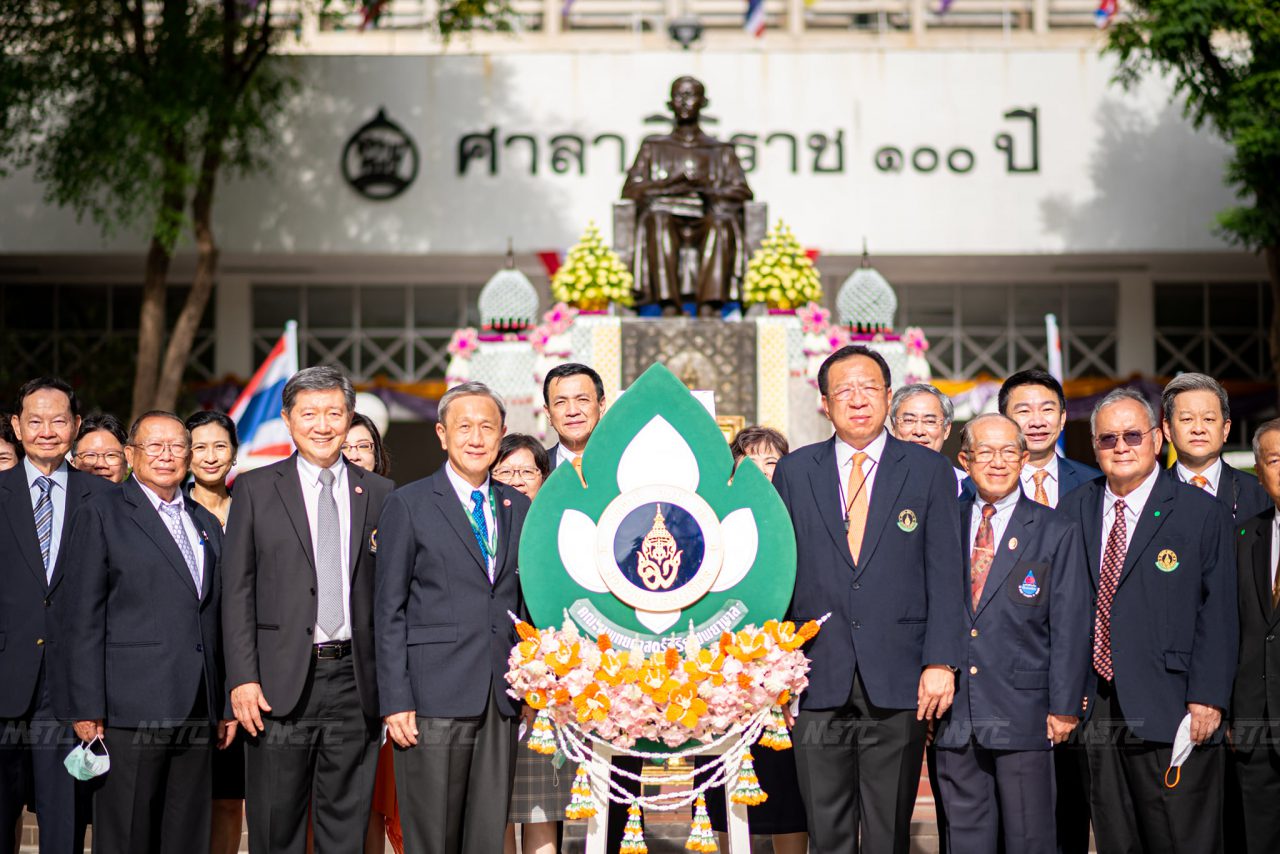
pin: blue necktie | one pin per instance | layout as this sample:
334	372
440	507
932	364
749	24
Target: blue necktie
44	520
481	529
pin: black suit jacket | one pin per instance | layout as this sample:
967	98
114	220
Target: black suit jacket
900	609
445	632
1071	474
1029	637
25	596
1238	491
137	641
1255	700
1174	632
269	583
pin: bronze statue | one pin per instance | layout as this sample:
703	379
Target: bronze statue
689	190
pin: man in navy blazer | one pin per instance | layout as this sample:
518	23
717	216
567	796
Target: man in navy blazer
1166	630
1026	653
139	646
42	488
573	400
1197	421
447	584
878	547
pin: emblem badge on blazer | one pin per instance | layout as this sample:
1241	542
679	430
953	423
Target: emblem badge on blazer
907	520
1013	543
373	542
1028	587
1167	560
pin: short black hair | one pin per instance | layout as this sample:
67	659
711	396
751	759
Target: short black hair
571	369
212	416
30	387
381	456
848	351
101	421
154	413
1033	376
7	434
513	442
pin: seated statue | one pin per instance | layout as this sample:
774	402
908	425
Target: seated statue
689	190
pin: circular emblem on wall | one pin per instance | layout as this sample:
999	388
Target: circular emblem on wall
380	160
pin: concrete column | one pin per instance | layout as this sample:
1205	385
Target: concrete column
795	17
551	17
1135	325
233	326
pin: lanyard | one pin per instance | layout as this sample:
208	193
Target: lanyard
488	545
847	506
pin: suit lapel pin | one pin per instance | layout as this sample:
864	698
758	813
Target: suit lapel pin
1167	560
907	520
1013	543
506	502
373	542
359	490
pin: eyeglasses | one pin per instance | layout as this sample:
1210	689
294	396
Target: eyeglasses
111	458
1010	454
845	392
525	475
929	422
361	447
155	449
1132	438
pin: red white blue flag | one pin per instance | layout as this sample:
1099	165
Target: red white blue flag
1106	11
264	438
755	20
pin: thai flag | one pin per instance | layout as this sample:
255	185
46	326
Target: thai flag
1105	12
755	20
264	439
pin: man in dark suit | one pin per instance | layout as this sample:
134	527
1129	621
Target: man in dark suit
447	584
139	646
878	546
573	398
1035	400
1197	421
1165	640
1255	701
37	497
297	618
1026	655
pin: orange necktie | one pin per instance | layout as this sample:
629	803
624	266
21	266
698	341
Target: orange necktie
1041	496
1200	481
857	508
576	462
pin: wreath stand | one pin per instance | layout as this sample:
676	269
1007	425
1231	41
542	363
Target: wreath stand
597	824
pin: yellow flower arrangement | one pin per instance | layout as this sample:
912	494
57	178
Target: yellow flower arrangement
592	275
780	274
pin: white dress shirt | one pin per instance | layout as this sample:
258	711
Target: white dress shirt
1050	483
464	490
58	496
844	466
1000	521
564	456
1275	547
1134	502
194	535
961	474
1213	474
309	475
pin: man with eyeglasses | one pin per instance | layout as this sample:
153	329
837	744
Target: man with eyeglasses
1025	654
139	655
1165	636
922	414
877	530
1197	421
99	448
37	498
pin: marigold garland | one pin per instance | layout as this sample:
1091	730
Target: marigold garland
780	273
776	736
580	803
543	738
592	275
748	790
633	833
701	836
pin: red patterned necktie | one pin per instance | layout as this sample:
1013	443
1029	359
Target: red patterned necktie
1042	495
984	552
1200	481
1108	579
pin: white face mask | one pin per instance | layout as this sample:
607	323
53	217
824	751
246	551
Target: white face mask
83	764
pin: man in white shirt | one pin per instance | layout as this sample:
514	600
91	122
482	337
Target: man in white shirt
1164	641
573	399
922	414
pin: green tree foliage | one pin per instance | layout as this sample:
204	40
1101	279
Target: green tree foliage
1223	57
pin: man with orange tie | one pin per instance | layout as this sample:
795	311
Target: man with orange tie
573	399
1197	421
1165	641
877	530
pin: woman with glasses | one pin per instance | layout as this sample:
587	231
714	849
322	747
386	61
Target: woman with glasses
213	454
364	447
541	789
99	448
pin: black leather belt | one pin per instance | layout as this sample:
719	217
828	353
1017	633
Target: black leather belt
332	650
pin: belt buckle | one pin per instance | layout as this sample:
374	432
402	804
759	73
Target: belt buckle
329	651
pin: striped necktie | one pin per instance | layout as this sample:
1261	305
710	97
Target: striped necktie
44	520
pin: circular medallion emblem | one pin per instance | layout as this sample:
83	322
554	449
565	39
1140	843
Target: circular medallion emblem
659	548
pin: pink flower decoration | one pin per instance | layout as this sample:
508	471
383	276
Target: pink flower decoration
916	343
837	337
813	318
539	338
560	318
464	342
